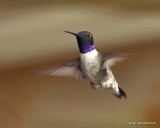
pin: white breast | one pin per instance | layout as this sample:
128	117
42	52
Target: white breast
89	57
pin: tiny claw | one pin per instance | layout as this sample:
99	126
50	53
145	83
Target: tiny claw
93	86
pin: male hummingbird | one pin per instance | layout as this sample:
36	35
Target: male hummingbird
92	65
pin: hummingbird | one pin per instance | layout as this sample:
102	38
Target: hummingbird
92	65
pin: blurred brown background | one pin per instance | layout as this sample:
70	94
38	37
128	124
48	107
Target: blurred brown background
32	36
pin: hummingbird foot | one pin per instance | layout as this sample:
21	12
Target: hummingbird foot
93	86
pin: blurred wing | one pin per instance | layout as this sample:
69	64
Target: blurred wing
110	59
70	69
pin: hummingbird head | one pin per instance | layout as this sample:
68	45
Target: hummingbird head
85	41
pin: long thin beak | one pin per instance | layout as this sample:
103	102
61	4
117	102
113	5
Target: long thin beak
71	33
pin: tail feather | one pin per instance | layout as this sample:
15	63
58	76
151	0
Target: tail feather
121	93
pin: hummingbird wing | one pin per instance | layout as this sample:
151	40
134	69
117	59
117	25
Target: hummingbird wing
110	59
70	69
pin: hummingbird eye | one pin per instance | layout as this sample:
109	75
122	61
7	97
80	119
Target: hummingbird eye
88	35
